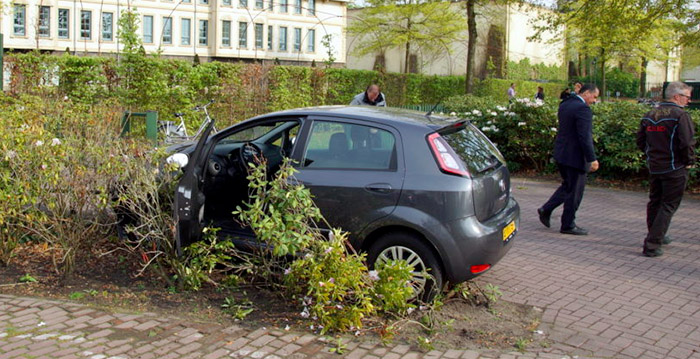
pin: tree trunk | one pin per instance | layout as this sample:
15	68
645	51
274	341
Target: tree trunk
407	59
580	66
471	46
602	74
643	78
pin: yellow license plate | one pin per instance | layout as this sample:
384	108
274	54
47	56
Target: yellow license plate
508	231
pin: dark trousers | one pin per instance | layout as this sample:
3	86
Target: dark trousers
665	195
570	193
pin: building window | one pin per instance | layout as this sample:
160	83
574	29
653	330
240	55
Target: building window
148	29
311	39
203	32
258	36
227	2
259	4
271	5
243	3
107	26
226	33
283	5
312	7
63	20
205	2
283	38
167	30
185	31
85	25
242	34
269	37
297	6
297	39
44	21
20	20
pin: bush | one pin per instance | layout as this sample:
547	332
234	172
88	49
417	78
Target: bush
497	88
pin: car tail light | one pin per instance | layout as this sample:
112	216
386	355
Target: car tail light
478	268
446	158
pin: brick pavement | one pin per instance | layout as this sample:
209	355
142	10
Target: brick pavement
601	298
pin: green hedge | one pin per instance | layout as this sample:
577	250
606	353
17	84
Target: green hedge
524	131
498	88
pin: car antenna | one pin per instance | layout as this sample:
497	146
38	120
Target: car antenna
433	109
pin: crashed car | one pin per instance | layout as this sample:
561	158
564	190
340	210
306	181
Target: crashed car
431	190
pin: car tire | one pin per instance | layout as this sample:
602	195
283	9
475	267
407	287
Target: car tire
428	277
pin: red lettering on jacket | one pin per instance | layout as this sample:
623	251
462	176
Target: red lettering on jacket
656	128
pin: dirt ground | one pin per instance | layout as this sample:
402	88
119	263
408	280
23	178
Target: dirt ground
107	282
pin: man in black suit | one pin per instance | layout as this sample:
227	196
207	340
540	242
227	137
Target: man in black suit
575	156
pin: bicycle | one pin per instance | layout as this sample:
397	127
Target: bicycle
178	133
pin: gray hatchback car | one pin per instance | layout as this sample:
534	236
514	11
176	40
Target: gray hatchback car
431	190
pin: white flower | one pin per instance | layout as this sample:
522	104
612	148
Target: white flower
41	324
521	124
328	250
65	98
476	112
305	313
44	166
308	256
287	328
287	271
553	129
489	122
357	333
493	113
453	114
500	108
311	327
410	310
339	306
486	129
55	142
39	143
321	284
24	126
422	307
374	275
11	154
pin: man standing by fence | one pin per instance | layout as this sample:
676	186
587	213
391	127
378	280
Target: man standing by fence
666	136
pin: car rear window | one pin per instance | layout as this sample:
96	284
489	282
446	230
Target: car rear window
473	147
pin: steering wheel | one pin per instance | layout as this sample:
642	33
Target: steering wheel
249	153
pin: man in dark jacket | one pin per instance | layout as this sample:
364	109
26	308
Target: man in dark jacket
666	137
575	156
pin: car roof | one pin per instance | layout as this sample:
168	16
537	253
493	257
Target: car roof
386	115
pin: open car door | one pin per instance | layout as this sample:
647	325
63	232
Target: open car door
189	197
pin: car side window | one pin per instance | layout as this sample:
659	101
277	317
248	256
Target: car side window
349	146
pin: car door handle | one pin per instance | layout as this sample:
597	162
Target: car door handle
379	187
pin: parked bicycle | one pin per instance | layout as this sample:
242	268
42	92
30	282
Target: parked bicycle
174	133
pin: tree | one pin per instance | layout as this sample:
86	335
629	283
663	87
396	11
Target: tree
426	25
622	29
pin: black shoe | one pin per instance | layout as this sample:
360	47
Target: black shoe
575	230
666	240
544	216
652	252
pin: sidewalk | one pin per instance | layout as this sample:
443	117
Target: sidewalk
601	299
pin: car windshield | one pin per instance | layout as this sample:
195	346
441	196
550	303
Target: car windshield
252	133
475	149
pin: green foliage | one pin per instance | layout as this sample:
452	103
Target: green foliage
617	80
280	213
524	70
237	310
497	88
428	27
392	286
27	278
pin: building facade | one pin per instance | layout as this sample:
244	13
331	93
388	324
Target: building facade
288	31
502	33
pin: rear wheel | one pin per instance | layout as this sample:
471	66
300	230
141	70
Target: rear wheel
427	279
